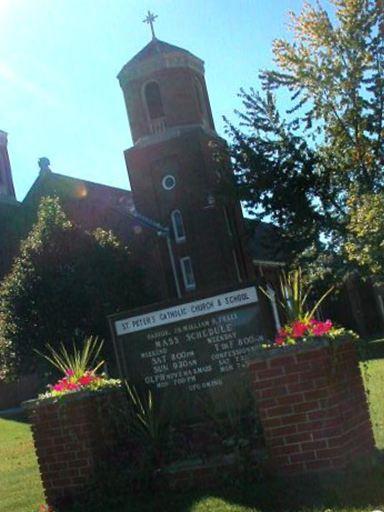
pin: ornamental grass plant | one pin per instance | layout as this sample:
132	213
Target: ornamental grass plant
79	368
301	325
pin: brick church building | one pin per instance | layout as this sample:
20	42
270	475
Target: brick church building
191	240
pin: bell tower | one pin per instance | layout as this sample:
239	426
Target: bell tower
7	191
173	170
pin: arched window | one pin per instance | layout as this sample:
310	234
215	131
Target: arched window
178	226
153	100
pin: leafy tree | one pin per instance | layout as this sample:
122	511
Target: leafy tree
275	172
62	286
299	170
365	243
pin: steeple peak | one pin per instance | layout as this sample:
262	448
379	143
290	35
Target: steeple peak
7	190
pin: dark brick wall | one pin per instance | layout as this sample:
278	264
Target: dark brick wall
186	146
312	407
209	243
72	440
177	88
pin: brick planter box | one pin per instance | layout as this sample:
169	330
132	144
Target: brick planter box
312	406
77	434
72	438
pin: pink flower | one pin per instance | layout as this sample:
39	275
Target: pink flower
72	386
87	379
299	329
71	383
60	386
281	336
65	385
321	328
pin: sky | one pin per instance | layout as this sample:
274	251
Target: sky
59	96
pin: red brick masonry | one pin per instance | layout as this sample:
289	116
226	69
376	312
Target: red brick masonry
311	403
312	407
71	437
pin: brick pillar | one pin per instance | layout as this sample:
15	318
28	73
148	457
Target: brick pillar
312	406
71	436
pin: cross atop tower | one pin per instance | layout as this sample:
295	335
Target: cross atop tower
150	19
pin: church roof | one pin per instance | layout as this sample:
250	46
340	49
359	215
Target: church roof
76	187
157	51
89	205
154	48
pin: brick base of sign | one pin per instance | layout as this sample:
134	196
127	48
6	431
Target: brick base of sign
312	407
72	437
210	474
200	477
311	403
78	437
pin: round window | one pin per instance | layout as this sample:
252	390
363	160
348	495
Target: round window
169	182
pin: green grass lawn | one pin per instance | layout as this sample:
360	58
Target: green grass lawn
373	374
20	486
361	490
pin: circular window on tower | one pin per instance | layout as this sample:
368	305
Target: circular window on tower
169	182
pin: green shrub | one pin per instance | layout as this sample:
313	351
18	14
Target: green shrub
62	285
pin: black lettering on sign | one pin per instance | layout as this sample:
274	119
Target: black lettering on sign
189	357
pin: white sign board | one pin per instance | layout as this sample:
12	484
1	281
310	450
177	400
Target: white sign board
187	311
